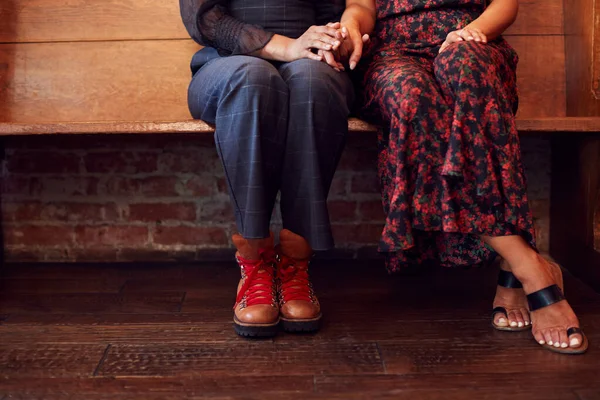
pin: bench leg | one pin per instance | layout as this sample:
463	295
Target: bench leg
575	203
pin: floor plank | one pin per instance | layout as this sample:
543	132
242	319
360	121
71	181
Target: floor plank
241	359
166	333
49	360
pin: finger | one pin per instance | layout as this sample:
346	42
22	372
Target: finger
334	25
454	37
326	39
356	53
344	32
330	59
319	45
313	56
443	47
327	30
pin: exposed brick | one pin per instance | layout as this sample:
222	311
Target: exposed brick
199	159
43	163
94	254
155	255
342	210
121	162
222	185
118	186
29	235
357	233
160	186
17	185
199	186
187	235
154	212
63	186
339	185
64	212
217	210
371	211
37	254
113	235
357	159
365	183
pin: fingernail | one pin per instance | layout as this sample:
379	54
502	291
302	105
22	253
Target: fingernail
352	64
470	37
337	43
574	342
542	342
513	323
520	324
564	345
551	343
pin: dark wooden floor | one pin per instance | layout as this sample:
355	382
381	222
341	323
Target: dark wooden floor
163	332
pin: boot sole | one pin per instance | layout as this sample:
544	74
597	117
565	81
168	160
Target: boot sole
301	325
255	330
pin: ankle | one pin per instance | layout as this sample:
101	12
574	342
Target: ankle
534	273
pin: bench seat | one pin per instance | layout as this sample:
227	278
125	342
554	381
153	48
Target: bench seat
564	124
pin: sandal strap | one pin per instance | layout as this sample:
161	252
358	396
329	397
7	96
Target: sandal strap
508	280
499	310
545	297
574	330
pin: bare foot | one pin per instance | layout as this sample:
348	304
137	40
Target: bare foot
550	324
515	303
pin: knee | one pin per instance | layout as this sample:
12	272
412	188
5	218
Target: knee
316	82
255	75
464	58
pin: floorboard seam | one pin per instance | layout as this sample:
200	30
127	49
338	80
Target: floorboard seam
381	357
314	384
104	356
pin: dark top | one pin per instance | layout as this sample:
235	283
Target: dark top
244	26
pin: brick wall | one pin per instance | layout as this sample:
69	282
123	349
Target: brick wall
140	198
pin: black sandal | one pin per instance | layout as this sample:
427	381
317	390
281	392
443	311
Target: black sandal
507	280
546	297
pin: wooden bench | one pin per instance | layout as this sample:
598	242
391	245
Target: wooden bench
122	67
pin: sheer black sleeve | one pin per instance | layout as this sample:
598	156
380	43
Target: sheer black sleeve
209	24
329	11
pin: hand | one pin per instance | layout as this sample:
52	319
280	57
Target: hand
332	57
352	48
461	35
323	38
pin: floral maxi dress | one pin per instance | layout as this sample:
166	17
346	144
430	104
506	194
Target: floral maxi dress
449	156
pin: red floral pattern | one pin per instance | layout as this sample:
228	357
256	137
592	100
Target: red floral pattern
449	162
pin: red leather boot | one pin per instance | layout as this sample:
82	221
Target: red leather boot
299	307
256	312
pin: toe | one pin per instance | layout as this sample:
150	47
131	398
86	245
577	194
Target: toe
563	338
519	318
548	337
500	319
555	337
539	337
575	340
512	319
526	317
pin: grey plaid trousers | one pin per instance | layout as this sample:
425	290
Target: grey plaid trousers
280	127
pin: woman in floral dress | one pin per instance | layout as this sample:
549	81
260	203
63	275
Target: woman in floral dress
441	83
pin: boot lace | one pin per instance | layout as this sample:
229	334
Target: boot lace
294	281
258	280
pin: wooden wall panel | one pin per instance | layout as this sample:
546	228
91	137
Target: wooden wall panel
147	80
74	20
538	17
541	75
77	20
87	81
582	48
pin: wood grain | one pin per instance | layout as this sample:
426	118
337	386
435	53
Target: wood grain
102	20
147	81
143	81
540	74
49	360
241	359
582	51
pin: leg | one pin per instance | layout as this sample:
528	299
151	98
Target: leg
320	100
247	100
